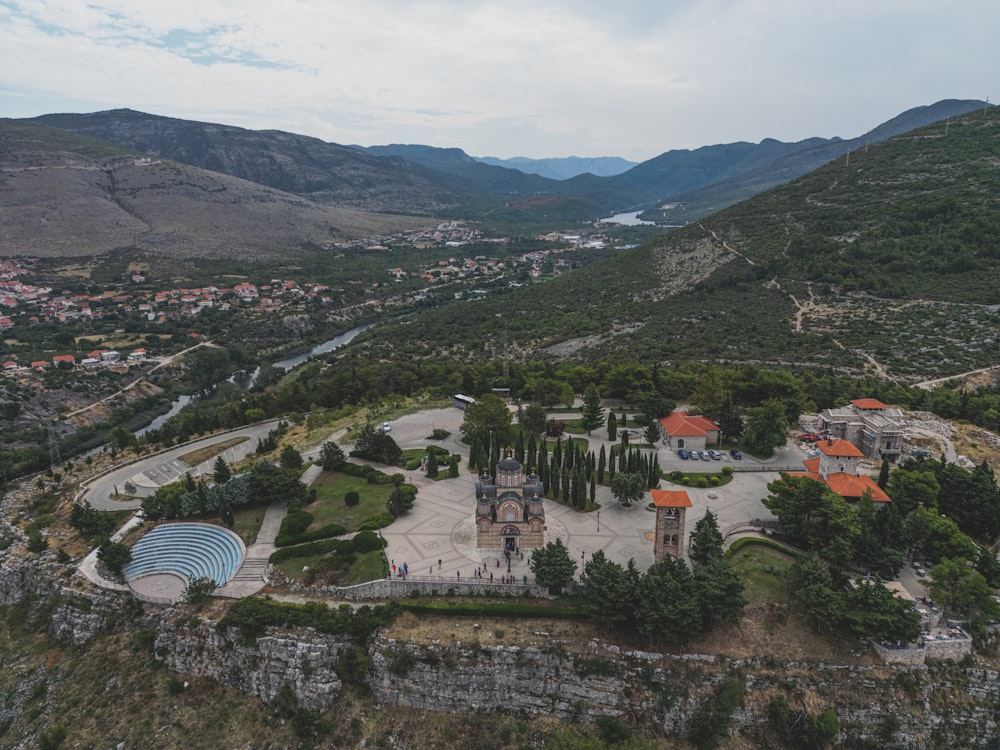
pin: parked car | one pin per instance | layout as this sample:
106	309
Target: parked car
716	456
703	455
736	454
921	573
811	437
682	453
386	427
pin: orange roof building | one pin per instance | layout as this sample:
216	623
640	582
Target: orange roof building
671	506
869	404
837	468
681	430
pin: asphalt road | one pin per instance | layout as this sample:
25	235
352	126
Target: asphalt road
148	474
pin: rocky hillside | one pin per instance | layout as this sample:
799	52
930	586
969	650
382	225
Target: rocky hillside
63	195
325	173
884	262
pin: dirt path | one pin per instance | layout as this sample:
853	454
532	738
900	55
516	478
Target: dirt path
726	245
130	386
929	384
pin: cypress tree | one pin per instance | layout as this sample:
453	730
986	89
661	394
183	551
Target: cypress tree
593	491
602	461
612	427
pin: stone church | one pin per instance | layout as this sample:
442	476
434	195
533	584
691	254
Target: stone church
509	510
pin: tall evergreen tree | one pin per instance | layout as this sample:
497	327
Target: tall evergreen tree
706	540
668	609
883	474
220	471
593	413
612	427
602	460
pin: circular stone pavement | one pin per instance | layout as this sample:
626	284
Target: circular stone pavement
159	586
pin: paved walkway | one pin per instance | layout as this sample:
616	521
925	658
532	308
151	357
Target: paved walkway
440	526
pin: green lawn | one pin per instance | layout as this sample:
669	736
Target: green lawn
368	566
329	507
762	571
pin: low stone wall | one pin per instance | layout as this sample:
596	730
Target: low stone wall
954	649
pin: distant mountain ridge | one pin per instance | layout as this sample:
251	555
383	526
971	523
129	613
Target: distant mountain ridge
326	173
563	168
417	179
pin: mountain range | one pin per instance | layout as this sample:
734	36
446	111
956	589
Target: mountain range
428	180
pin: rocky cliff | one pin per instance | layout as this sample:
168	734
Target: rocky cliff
941	705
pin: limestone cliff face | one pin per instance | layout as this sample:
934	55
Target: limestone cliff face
945	704
303	660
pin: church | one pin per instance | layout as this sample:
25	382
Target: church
509	511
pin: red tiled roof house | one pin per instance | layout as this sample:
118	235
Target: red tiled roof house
837	467
681	430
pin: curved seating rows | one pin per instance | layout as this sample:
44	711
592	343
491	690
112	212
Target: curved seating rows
189	549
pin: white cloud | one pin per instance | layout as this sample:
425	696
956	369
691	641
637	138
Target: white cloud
542	78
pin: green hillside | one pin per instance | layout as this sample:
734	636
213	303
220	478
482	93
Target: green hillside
887	261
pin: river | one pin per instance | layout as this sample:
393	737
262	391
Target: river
629	219
247	381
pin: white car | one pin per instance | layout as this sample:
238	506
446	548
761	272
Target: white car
386	427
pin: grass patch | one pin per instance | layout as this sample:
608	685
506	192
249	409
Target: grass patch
762	570
210	451
248	521
367	566
329	507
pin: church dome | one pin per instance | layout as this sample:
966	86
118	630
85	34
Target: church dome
509	464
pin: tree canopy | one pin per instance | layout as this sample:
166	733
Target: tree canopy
552	566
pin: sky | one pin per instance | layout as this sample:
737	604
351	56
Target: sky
536	78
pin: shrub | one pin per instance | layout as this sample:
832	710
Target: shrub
295	523
379	521
352	498
714	481
346	548
368	541
727	470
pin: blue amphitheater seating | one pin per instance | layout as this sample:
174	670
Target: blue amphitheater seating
190	550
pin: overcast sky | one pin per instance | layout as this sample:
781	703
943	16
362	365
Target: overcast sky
631	78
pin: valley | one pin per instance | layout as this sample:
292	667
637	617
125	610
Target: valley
149	257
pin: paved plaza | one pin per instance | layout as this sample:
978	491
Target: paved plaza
440	527
437	539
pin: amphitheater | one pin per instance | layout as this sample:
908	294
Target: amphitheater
171	556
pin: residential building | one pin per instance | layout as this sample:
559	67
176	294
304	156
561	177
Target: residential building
837	467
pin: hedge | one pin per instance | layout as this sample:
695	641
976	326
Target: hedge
325	532
321	547
491	609
379	521
747	541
